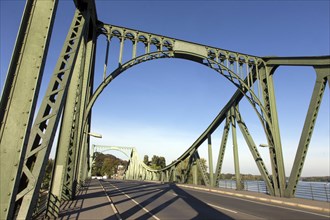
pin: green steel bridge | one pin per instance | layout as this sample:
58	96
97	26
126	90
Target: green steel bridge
70	97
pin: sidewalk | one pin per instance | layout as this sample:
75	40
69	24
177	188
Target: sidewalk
90	203
305	204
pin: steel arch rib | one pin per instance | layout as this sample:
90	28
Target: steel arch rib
189	56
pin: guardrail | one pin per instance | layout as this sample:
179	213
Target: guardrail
307	190
41	204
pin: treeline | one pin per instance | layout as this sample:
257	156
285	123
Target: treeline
156	162
106	164
230	176
316	179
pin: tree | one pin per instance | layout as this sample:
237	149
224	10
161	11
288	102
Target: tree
106	164
146	159
107	167
48	174
157	162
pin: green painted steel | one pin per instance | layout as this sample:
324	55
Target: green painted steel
222	151
67	133
252	76
20	93
235	148
322	76
44	127
255	153
210	157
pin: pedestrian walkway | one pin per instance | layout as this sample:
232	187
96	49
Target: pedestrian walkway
90	203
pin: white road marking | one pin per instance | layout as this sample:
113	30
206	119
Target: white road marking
266	204
219	207
174	194
146	210
111	204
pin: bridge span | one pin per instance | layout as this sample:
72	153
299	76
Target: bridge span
28	131
118	199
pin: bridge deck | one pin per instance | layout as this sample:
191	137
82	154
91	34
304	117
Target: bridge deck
143	200
90	203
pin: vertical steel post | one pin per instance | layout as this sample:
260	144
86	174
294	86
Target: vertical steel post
91	161
210	157
235	149
19	97
274	139
195	173
106	58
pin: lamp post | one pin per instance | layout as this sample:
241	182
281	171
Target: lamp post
92	134
95	135
273	164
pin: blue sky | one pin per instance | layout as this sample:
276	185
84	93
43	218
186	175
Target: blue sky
161	107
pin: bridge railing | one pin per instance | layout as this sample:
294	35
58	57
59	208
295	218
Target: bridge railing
306	190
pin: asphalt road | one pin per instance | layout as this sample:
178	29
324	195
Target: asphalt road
144	200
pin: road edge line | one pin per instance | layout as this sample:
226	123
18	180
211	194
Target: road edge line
261	199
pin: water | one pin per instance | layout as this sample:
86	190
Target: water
307	190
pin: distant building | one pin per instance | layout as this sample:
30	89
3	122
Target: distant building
120	172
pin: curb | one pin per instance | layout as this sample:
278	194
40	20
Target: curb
315	208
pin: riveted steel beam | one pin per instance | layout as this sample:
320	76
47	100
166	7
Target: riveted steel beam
210	157
68	131
44	127
201	168
272	129
235	148
222	151
298	61
255	153
18	100
322	76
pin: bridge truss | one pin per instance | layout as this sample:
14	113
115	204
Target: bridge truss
69	100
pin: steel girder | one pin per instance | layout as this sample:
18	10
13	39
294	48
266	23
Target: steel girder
240	69
255	153
235	148
210	159
18	100
222	151
272	129
44	127
62	178
322	76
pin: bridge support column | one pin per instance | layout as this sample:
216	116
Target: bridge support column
68	133
195	172
273	132
322	76
235	149
45	124
19	97
209	142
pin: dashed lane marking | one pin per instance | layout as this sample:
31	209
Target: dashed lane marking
114	209
133	200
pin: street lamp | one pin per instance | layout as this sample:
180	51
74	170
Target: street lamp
263	145
96	135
